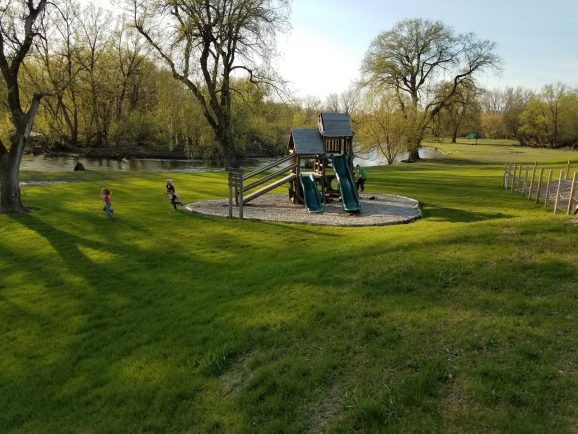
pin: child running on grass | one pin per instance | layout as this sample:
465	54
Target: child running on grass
107	208
172	194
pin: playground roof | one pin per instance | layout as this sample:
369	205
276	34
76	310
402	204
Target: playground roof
335	125
306	141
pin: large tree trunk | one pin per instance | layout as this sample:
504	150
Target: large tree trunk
413	154
225	137
455	135
414	144
10	198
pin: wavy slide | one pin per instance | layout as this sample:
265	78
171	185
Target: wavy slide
349	198
311	195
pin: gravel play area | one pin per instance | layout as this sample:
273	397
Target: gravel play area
376	210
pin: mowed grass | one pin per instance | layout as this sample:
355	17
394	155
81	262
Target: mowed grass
164	321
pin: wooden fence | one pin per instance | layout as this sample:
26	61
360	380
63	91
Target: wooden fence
542	185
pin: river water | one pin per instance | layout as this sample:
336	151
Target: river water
64	163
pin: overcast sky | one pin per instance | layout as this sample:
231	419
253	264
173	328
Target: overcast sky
536	39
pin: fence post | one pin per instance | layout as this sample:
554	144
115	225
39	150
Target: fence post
518	179
539	186
230	196
525	180
532	180
505	183
547	197
562	176
571	198
567	170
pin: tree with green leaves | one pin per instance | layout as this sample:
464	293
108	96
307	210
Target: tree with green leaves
412	59
18	29
381	127
549	118
207	44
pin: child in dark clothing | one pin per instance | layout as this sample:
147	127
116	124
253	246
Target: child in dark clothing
172	194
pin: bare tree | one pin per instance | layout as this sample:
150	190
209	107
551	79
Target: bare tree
411	60
345	102
332	103
207	43
95	36
462	107
349	100
18	28
58	60
493	101
515	101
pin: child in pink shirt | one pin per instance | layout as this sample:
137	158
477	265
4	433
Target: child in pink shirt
105	194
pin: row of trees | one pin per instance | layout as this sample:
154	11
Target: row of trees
548	118
105	88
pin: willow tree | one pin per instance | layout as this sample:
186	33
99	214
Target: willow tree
413	60
18	28
208	43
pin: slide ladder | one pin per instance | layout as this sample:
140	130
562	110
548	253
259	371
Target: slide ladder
349	198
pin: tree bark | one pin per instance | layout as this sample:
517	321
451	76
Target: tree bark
413	155
225	137
10	197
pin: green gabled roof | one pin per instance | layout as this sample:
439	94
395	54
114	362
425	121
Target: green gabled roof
335	125
306	141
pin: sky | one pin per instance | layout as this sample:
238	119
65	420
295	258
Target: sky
537	40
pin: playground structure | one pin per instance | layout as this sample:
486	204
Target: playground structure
306	169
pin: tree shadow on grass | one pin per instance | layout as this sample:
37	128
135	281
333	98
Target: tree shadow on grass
456	215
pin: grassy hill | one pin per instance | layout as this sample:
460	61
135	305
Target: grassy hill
163	321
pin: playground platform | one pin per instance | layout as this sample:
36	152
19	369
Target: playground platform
377	209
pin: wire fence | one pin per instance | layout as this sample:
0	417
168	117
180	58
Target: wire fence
542	185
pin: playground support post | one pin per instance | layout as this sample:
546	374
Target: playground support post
568	169
571	198
236	183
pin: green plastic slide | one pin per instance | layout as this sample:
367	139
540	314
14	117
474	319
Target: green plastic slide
349	198
311	195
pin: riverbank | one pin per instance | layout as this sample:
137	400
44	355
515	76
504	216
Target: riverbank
117	152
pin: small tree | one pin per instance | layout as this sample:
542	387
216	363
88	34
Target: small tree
18	28
411	59
382	127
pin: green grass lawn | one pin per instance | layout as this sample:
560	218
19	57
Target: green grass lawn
162	321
